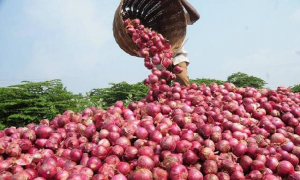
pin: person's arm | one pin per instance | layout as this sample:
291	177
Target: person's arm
193	13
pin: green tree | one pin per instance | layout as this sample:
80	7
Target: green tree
243	80
34	101
119	91
296	88
206	81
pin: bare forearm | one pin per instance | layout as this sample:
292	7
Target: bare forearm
194	15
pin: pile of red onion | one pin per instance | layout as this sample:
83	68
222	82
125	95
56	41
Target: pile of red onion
215	132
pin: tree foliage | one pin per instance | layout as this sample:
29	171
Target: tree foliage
243	80
206	81
33	101
120	92
296	88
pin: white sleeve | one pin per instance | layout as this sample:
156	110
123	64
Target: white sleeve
181	56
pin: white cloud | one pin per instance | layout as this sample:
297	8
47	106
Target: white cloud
275	67
296	15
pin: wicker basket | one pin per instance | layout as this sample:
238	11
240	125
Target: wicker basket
164	16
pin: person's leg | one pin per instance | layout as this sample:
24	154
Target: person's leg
183	78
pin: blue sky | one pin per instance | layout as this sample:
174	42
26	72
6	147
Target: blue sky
72	40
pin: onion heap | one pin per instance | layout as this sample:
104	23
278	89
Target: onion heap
217	132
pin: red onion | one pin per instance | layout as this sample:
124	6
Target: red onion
246	162
99	177
22	175
44	131
237	175
168	143
15	169
223	176
141	133
139	174
123	168
190	157
284	168
87	171
223	146
277	138
240	149
76	155
195	174
206	154
13	150
145	162
47	171
6	175
78	176
94	163
117	150
272	163
119	177
100	151
170	160
179	172
183	146
210	167
112	160
61	175
130	153
160	174
107	170
294	176
210	177
123	141
270	177
257	165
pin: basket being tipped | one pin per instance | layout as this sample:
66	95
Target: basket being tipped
164	16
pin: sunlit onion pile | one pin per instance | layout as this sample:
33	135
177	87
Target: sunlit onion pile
197	132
